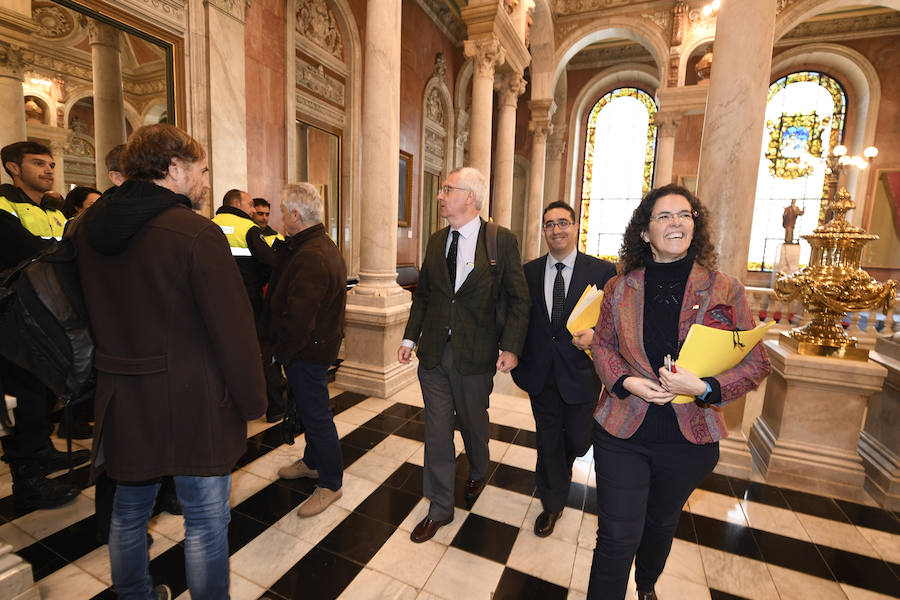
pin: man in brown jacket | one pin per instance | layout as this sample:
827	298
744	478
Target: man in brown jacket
302	327
178	371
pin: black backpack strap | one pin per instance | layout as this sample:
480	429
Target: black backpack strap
490	240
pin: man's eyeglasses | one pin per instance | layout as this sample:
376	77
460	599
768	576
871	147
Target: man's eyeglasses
666	218
563	224
446	189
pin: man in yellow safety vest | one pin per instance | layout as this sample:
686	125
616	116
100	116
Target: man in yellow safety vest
25	230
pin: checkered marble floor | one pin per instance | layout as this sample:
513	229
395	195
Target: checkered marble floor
736	538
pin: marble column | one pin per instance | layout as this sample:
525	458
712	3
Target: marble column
667	126
227	116
12	117
59	172
109	101
540	128
733	126
556	145
487	55
377	308
509	87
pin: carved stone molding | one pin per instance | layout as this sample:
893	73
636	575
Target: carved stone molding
556	148
855	27
323	111
316	22
701	24
444	19
509	87
233	8
679	23
12	59
53	21
143	88
320	83
56	65
168	13
103	34
660	18
780	5
487	54
540	129
666	123
434	106
570	7
440	66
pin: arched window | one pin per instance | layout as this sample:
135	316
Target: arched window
805	116
619	150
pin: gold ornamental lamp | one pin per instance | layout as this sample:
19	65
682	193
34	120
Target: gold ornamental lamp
832	285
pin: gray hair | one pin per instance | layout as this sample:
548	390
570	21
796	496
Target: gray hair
305	199
473	180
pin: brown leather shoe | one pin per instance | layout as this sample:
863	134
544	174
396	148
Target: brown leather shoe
426	529
543	525
651	595
474	487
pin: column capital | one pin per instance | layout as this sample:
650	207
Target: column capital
540	129
542	108
667	123
487	53
556	147
509	86
12	60
104	35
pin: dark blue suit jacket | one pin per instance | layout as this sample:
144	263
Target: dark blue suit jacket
549	356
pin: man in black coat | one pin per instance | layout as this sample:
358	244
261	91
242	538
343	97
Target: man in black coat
554	369
301	327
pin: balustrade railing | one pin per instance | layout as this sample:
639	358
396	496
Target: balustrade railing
866	326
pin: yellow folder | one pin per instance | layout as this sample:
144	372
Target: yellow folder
586	311
707	351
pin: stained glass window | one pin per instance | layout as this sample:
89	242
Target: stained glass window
619	151
805	116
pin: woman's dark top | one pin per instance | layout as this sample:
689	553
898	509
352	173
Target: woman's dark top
664	285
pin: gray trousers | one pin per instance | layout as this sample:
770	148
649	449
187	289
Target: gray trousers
446	392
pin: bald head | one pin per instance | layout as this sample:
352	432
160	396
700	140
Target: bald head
239	199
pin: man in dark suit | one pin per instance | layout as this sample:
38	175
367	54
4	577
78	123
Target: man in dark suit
554	369
453	318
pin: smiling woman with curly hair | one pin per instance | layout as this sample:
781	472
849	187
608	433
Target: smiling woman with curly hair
649	452
636	253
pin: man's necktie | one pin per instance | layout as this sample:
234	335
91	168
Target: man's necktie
451	259
559	298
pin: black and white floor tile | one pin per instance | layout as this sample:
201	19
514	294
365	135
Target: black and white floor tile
736	539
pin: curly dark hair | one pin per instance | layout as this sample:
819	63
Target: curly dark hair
635	252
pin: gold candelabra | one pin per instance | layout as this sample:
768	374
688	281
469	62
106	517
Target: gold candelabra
832	285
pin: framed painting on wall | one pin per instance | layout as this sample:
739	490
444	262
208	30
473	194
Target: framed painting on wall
404	191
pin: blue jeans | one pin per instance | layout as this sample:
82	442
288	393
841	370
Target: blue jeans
309	382
207	513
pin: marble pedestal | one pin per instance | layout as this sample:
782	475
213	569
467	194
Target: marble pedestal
734	453
373	332
16	579
879	441
788	261
807	434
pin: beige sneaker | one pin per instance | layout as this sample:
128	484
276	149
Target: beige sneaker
319	501
296	470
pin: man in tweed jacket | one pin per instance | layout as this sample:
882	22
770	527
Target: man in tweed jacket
453	319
